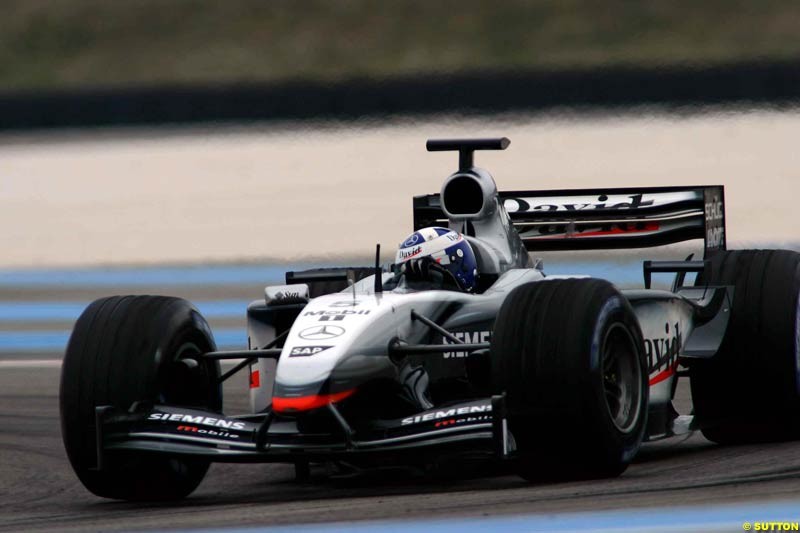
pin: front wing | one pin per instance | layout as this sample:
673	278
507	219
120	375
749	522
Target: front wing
476	426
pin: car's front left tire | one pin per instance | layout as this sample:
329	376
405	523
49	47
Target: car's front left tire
126	349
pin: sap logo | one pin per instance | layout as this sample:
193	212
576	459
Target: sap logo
663	352
469	337
305	351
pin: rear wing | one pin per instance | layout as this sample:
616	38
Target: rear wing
595	219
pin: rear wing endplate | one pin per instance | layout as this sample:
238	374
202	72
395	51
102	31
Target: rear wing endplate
595	219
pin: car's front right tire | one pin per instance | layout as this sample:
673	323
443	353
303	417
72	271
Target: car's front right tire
568	355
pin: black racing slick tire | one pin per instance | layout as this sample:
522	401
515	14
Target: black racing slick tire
750	390
568	355
126	349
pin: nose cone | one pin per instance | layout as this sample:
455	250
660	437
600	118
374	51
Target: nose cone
337	343
296	404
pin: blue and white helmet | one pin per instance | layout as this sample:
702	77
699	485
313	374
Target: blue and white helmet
446	247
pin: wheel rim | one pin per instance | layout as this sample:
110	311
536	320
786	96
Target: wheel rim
622	378
187	384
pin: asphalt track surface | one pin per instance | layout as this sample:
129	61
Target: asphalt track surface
38	491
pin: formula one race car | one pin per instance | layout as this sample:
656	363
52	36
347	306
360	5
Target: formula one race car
551	376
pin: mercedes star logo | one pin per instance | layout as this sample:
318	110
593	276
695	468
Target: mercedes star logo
411	241
346	303
321	333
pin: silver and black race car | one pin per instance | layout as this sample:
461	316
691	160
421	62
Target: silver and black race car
552	376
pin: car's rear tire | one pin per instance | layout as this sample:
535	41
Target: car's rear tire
569	356
750	390
125	349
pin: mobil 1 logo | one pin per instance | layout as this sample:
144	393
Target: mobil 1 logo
335	315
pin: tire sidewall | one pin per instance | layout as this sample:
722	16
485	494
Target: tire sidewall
122	350
621	446
547	360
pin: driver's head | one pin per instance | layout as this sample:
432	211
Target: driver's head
447	248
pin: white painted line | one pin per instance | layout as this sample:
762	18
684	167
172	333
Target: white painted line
30	363
230	362
56	363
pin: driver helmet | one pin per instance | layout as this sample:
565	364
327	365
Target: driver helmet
446	247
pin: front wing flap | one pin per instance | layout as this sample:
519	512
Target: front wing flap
267	438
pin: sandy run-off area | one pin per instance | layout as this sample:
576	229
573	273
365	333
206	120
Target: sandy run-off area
325	191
